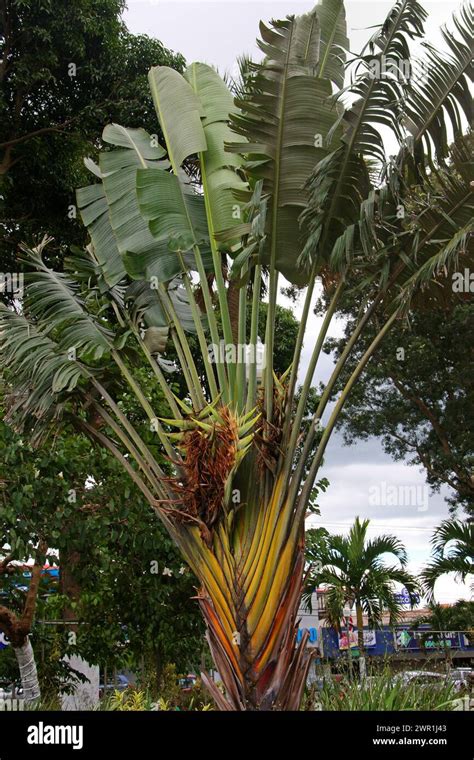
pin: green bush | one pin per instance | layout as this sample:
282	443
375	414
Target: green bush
384	692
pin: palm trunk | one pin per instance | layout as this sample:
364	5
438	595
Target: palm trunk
360	628
360	638
28	673
275	681
257	657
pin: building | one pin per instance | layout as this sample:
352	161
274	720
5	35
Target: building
403	643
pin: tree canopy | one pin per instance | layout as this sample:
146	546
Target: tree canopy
66	69
416	396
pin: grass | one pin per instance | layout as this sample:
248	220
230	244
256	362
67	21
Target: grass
382	692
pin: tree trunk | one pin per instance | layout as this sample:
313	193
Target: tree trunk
360	639
70	586
28	673
360	629
274	677
18	627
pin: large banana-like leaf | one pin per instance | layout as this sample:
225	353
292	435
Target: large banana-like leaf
443	220
179	112
333	41
286	117
52	299
141	252
41	373
221	183
176	217
207	103
341	181
437	100
123	243
94	210
424	248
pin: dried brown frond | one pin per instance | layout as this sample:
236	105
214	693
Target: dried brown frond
208	458
199	295
268	438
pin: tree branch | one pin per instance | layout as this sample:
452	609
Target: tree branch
32	593
37	132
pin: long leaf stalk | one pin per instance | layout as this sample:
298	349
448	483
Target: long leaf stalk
299	343
309	482
125	320
110	446
219	278
315	422
242	360
252	365
203	344
203	281
300	411
195	387
213	327
130	430
154	478
145	404
184	368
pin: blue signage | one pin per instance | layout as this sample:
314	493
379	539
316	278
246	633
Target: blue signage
402	639
313	634
403	597
423	639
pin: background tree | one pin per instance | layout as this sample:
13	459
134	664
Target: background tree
112	555
417	397
355	573
453	552
16	621
66	69
443	617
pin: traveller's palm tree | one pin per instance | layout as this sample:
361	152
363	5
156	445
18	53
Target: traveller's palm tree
285	188
356	574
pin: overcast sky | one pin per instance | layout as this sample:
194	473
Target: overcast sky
216	33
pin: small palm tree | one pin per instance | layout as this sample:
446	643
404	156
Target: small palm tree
458	617
453	552
353	569
286	180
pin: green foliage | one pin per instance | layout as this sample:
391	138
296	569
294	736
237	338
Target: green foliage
173	697
353	569
386	692
50	119
442	617
453	552
81	501
128	700
416	396
286	331
309	207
